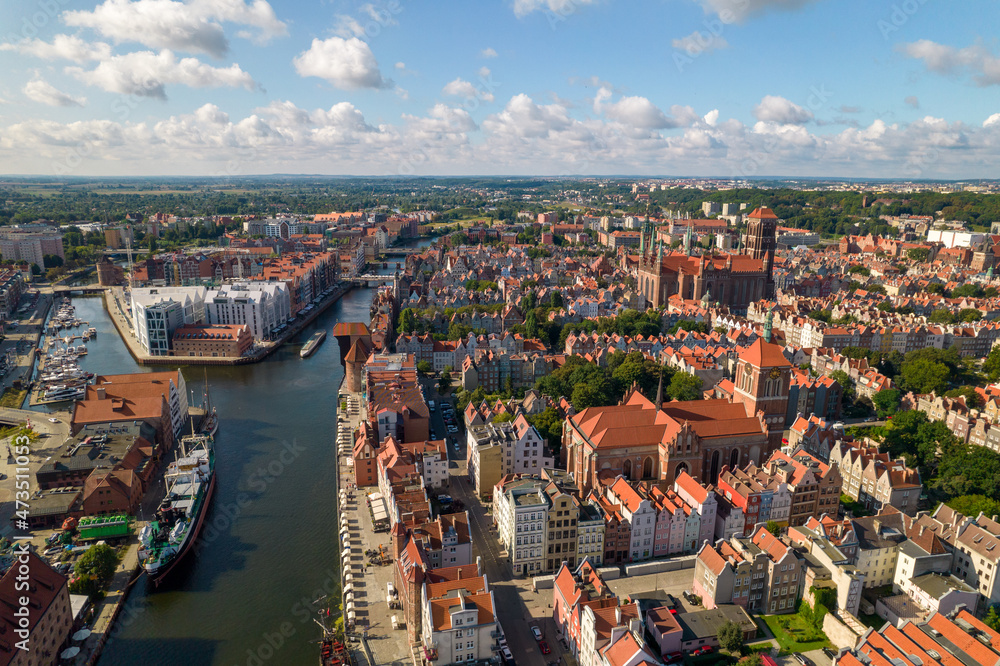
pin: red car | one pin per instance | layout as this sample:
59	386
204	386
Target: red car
673	611
544	647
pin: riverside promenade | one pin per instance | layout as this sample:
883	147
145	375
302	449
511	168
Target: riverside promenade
116	303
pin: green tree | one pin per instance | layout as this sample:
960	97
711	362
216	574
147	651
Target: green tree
918	253
752	659
684	386
584	395
935	288
941	316
52	261
531	325
924	376
973	505
731	638
425	368
444	384
992	619
407	321
972	398
774	528
152	245
991	366
36	269
99	561
887	401
969	314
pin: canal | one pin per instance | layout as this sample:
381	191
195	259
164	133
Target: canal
268	548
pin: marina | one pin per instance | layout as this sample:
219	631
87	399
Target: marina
59	377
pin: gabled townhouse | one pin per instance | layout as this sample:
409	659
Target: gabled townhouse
702	500
637	510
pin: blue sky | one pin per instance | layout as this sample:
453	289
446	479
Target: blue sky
681	87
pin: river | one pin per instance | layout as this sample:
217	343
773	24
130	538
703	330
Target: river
244	596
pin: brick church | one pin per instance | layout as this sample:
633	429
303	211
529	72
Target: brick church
734	280
641	439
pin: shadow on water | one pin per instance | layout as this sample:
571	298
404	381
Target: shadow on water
130	652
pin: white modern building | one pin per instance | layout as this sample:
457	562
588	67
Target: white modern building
520	509
262	306
158	311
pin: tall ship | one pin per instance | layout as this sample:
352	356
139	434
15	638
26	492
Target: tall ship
313	343
190	483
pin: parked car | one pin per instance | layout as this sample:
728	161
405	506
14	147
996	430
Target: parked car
802	659
832	654
673	657
544	647
508	658
536	632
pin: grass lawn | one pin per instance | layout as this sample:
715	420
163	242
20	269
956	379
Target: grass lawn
798	637
12	398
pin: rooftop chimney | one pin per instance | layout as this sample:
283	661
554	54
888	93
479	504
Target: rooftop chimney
102	393
460	573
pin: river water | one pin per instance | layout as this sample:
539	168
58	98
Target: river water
268	547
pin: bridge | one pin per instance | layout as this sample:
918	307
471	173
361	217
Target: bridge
92	288
401	251
372	280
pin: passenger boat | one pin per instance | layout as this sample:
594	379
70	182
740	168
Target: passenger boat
313	343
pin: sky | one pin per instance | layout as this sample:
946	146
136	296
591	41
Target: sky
722	88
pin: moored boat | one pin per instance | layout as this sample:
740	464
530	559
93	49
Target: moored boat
190	480
313	343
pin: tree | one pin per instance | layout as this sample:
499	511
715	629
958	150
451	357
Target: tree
992	619
731	637
918	254
941	316
684	386
99	561
36	269
774	528
924	376
407	321
972	398
991	366
887	401
425	368
969	314
152	244
52	261
444	384
753	659
531	325
935	288
973	505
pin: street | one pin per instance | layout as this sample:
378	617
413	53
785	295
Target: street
517	605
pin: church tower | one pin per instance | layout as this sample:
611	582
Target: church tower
763	375
761	241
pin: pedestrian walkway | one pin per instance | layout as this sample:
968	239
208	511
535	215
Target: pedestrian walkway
366	586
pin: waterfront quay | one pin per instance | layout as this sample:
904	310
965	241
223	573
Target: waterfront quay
116	303
373	640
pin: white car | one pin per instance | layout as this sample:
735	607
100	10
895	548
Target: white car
54	420
536	632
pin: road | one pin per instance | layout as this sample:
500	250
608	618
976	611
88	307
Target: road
517	605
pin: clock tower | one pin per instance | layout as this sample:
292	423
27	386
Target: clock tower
763	375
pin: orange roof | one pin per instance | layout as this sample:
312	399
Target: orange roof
765	355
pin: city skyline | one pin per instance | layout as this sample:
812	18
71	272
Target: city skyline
721	88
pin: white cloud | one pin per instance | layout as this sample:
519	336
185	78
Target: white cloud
524	137
484	72
401	66
348	64
146	74
738	11
370	24
942	59
466	90
640	113
488	52
193	25
44	92
62	47
775	109
699	42
912	101
561	8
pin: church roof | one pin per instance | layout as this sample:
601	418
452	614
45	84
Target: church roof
763	214
765	355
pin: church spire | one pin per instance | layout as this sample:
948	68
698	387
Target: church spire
768	324
687	240
659	391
